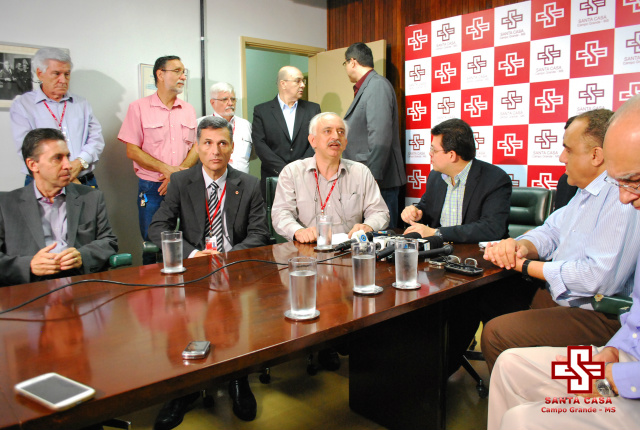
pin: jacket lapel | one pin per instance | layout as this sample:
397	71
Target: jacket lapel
276	111
472	182
297	124
232	201
74	208
358	96
198	197
31	214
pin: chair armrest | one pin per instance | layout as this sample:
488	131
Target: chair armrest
150	247
615	305
119	260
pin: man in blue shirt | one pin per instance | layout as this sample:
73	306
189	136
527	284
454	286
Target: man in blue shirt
52	106
521	380
578	252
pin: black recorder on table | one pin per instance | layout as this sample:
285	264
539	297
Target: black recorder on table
432	246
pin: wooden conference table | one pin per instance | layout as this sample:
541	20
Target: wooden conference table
126	342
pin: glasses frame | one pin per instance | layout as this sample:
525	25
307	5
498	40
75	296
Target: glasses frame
632	189
297	81
226	99
432	150
178	72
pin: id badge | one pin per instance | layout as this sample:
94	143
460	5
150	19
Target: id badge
211	243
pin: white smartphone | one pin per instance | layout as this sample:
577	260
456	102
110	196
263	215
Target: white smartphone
55	391
196	350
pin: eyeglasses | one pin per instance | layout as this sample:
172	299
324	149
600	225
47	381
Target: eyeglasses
635	189
346	62
178	72
226	100
298	81
433	150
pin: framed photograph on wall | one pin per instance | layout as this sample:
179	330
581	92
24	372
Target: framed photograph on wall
147	83
15	71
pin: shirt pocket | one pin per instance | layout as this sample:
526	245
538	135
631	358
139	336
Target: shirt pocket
352	206
153	134
188	134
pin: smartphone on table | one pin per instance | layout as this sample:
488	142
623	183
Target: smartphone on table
55	391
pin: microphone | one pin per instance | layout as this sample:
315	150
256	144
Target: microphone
358	236
433	241
391	247
445	250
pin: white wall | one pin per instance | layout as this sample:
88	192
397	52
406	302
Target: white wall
108	40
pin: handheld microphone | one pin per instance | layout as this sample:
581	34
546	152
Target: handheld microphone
358	236
391	247
445	250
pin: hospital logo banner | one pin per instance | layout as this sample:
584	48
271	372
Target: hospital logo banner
515	74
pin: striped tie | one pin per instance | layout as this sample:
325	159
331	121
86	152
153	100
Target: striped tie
217	220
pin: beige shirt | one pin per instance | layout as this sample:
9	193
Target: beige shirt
355	199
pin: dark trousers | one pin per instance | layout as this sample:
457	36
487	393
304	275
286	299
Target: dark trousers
147	192
546	324
390	197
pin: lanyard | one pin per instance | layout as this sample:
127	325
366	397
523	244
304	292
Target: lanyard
322	206
64	109
224	190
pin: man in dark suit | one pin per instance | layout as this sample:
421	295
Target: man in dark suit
52	228
373	126
277	124
220	210
466	200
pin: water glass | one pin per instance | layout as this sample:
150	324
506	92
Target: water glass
406	257
363	259
302	288
323	224
172	251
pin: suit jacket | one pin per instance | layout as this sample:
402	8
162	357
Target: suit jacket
485	206
22	236
270	136
374	133
244	212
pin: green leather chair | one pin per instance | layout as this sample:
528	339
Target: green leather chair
272	184
530	206
614	305
120	260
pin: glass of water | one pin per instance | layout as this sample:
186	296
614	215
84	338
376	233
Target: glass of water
172	251
406	256
363	259
302	288
323	224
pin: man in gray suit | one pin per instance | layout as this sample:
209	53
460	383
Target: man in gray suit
52	228
374	134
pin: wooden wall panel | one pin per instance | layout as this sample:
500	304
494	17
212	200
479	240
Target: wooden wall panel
350	21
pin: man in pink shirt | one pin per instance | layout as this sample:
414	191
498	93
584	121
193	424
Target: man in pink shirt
159	131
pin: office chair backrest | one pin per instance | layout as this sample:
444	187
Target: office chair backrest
529	208
272	184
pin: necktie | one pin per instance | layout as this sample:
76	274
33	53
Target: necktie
217	219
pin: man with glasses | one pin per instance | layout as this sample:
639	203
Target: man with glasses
588	247
373	120
223	101
280	125
466	200
51	105
159	131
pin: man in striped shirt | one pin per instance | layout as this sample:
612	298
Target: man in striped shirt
577	252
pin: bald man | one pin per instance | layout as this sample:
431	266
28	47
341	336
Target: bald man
279	129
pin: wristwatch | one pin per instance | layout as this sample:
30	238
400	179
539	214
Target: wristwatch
83	163
604	388
437	233
525	270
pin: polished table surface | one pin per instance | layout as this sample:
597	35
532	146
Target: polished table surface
126	342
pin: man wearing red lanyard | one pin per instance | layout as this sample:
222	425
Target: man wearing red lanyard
326	183
215	203
50	105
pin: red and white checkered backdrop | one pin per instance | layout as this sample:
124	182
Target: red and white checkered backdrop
515	74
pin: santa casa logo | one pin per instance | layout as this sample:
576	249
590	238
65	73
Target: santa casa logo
545	139
592	54
549	55
416	142
627	12
512	19
477	106
580	371
446	73
445	32
477	64
549	102
511	101
417	73
634	42
417	43
418	40
634	89
510	144
416	179
418	111
549	15
512	64
592	6
635	5
446	105
477	30
591	94
478	139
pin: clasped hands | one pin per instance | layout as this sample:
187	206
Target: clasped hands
46	262
507	254
310	234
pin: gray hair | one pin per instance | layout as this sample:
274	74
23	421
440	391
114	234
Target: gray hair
314	122
42	57
214	123
221	87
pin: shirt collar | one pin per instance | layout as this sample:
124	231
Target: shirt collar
312	165
283	105
39	195
597	184
220	181
460	178
155	101
41	96
358	84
